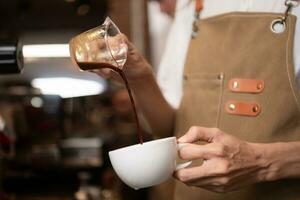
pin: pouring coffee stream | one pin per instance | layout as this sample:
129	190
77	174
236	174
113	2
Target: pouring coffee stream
103	47
95	65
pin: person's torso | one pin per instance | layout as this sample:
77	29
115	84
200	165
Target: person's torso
171	67
239	76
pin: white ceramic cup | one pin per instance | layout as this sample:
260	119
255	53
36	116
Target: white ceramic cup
147	164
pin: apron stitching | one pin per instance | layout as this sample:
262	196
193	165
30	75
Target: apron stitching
220	100
287	67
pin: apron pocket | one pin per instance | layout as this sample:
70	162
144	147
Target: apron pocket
201	102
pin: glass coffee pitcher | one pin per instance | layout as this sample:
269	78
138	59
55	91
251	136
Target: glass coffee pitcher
100	47
103	47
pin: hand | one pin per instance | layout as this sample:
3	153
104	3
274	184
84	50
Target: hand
135	68
228	162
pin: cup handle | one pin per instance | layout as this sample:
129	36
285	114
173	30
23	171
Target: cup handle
185	164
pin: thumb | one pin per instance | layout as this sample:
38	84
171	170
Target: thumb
197	133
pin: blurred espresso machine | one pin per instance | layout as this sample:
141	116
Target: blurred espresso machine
11	62
11	57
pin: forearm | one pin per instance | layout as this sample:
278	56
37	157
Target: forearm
155	108
279	160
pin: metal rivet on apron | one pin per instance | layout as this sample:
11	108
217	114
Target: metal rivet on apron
231	106
235	84
220	76
277	26
259	86
255	109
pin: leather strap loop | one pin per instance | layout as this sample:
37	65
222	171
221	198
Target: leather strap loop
198	6
241	108
246	85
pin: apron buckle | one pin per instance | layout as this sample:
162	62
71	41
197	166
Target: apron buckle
278	25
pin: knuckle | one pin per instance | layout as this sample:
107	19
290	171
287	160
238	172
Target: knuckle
182	176
183	153
223	168
216	130
220	150
194	129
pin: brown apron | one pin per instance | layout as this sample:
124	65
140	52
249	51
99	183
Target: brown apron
239	77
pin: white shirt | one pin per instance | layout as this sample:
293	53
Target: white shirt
171	66
159	26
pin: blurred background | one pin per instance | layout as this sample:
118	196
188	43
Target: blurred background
57	123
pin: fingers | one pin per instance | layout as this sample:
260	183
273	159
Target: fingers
201	177
131	48
126	40
223	183
190	174
197	133
195	151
